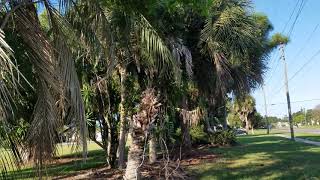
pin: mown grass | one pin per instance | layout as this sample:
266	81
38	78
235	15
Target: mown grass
262	157
258	156
309	136
70	163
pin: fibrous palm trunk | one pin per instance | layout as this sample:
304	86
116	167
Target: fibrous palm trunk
247	124
135	155
186	139
142	121
251	125
112	143
152	149
123	131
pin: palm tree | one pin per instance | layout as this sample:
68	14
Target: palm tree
56	76
142	121
244	106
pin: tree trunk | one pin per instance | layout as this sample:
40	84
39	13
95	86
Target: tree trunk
122	135
112	144
152	149
186	139
252	132
135	154
247	124
208	128
225	121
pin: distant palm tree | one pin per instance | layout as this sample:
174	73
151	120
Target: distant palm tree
244	106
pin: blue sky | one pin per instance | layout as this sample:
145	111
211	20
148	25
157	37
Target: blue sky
304	43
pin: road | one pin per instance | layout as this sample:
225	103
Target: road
299	130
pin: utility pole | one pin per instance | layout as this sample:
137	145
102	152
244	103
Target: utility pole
266	110
287	89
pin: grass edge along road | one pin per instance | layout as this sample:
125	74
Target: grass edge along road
262	157
256	157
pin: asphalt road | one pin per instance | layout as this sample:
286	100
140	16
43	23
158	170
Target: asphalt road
300	130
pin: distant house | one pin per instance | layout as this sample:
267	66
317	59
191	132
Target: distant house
282	124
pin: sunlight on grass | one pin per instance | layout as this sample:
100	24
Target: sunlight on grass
69	162
262	157
65	149
309	136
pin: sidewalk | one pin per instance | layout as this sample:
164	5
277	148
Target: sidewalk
316	143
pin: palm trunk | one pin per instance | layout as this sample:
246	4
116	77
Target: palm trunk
186	139
122	136
152	149
225	122
140	124
208	128
134	155
112	143
247	124
252	132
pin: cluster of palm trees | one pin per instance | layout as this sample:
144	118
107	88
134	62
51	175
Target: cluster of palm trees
122	67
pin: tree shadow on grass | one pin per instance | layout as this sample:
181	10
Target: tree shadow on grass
263	157
96	158
315	137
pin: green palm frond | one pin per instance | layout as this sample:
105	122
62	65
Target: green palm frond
91	22
154	47
10	151
7	74
230	38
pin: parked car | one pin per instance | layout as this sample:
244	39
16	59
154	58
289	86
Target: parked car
241	132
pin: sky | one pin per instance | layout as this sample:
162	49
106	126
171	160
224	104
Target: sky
302	49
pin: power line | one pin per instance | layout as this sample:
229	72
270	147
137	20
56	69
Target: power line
307	100
307	41
294	9
300	101
302	4
297	72
305	64
275	60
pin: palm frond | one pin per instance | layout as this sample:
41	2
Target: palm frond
154	46
228	37
91	22
42	135
10	156
70	93
179	50
28	27
6	68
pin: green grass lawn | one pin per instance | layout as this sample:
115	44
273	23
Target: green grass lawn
309	136
257	157
68	149
262	157
71	163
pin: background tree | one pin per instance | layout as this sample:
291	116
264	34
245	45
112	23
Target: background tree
244	106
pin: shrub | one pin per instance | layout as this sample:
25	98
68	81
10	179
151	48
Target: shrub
198	136
223	138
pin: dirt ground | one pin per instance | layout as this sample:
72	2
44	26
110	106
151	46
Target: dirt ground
164	168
